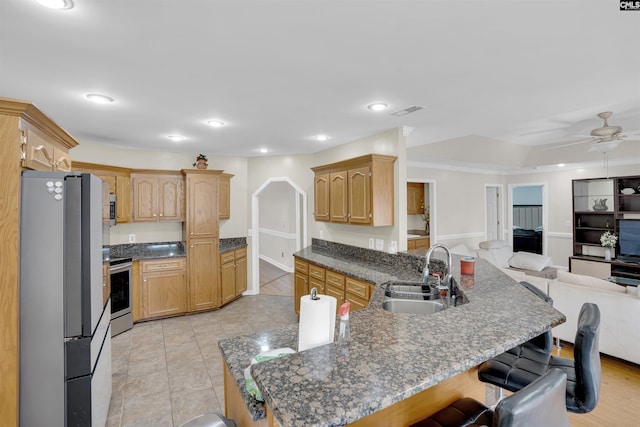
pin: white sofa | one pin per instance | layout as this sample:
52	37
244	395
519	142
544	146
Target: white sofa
500	254
619	310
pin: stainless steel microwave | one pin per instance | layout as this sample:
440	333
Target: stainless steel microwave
112	209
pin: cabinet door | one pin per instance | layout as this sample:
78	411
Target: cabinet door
38	151
163	294
123	198
61	160
228	281
202	206
241	274
359	187
170	198
357	303
321	197
415	198
224	196
338	192
204	288
145	198
300	288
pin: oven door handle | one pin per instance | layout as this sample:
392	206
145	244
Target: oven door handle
120	267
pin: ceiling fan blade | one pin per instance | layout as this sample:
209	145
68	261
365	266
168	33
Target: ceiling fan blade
568	145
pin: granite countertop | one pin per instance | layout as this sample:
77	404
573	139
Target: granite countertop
390	357
156	250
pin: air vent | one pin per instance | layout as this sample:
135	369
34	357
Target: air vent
408	110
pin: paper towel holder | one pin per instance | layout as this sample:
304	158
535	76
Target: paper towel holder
314	294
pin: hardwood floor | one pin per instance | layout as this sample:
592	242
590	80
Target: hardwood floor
274	281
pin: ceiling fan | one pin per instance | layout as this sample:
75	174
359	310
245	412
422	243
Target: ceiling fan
605	138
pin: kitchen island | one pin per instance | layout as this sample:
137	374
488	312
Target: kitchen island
396	367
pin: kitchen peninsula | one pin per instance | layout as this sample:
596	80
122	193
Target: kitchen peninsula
397	368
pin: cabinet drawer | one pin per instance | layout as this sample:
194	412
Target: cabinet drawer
302	266
163	265
358	288
319	285
316	272
226	257
241	253
335	279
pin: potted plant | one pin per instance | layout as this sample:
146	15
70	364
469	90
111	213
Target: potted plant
608	241
201	162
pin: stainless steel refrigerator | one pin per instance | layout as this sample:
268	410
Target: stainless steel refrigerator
65	341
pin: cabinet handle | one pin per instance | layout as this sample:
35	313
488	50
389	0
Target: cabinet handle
154	215
145	280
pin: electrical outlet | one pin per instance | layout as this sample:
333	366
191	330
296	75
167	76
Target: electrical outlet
322	234
249	232
380	244
372	243
132	238
393	247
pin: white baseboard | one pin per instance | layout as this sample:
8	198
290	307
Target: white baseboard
276	263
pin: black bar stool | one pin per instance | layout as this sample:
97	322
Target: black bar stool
515	370
541	403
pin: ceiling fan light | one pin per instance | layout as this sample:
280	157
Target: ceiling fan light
605	147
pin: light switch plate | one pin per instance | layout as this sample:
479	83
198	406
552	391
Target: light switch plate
379	244
132	238
372	243
393	247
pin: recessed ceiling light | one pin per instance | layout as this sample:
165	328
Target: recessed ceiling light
321	137
99	99
57	4
378	106
176	138
561	165
215	123
263	150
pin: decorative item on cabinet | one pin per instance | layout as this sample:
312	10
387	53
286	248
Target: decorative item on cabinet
355	191
201	162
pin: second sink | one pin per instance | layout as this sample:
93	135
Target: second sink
412	306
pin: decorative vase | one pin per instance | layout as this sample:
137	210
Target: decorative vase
607	254
202	164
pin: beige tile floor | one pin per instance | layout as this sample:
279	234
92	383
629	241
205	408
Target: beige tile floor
168	371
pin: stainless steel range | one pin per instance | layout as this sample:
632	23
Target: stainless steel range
121	295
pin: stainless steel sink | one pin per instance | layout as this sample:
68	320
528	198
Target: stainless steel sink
410	290
412	306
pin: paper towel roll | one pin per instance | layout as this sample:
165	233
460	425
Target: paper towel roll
317	321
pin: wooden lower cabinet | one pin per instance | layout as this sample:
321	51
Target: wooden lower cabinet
327	282
204	287
164	290
233	274
419	243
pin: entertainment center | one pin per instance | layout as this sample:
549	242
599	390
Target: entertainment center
601	205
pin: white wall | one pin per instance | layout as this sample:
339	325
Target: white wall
277	223
459	213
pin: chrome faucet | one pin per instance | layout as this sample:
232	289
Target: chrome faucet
447	279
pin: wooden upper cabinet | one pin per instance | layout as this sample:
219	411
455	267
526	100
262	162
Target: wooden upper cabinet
415	198
321	197
157	197
224	196
338	204
119	184
360	190
41	152
202	204
360	196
